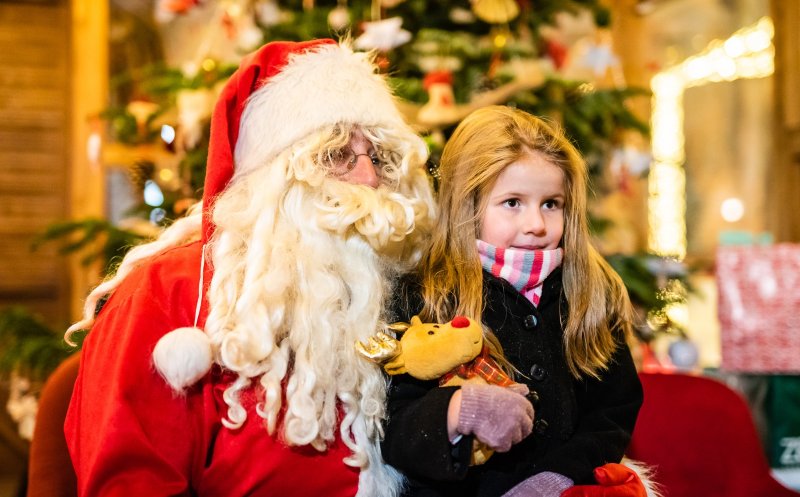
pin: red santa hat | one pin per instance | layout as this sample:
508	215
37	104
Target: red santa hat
283	92
280	94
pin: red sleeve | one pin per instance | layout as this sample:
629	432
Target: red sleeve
127	432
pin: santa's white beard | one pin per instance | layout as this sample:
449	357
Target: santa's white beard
382	217
288	304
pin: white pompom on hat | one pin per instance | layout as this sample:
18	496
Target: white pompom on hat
280	93
183	356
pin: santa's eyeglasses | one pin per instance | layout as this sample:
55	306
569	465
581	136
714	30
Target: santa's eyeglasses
344	160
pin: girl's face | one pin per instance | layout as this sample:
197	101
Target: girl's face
525	208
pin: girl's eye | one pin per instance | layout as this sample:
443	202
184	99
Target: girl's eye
512	202
551	204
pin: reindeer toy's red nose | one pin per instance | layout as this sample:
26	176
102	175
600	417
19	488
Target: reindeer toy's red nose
460	322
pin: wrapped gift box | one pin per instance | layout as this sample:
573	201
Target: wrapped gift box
759	308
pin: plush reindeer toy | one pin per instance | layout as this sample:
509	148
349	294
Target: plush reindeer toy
453	352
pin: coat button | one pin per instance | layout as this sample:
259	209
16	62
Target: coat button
538	373
533	397
530	322
540	426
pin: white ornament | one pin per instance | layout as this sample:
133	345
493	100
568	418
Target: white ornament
193	107
462	16
429	63
570	27
183	356
269	13
383	35
339	18
250	37
22	405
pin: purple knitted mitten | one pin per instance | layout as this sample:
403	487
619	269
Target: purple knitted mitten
545	484
497	416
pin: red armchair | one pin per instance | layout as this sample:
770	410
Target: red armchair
50	472
699	436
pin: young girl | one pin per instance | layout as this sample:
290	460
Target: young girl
512	246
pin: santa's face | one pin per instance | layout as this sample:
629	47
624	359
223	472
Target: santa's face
358	162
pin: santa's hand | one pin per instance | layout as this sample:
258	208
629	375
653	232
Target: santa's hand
497	416
613	480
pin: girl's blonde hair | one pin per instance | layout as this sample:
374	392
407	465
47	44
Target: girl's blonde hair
481	147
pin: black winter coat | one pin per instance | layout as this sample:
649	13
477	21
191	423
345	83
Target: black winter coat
578	425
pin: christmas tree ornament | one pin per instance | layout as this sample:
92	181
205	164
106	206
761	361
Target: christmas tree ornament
22	405
528	71
141	110
268	13
194	108
460	15
557	52
684	354
495	11
339	17
440	107
569	27
167	10
435	62
383	35
249	36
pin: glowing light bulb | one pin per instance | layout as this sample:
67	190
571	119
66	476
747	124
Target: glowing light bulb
732	209
167	134
153	196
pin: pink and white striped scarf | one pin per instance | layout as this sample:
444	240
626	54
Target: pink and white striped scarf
526	270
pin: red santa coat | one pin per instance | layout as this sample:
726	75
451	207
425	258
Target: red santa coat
130	434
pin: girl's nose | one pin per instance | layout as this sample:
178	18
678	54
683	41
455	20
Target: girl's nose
364	172
534	223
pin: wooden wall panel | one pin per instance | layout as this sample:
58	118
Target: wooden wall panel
784	201
34	154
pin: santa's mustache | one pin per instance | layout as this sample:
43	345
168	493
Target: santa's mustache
381	216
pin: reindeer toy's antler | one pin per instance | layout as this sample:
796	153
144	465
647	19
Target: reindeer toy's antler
385	350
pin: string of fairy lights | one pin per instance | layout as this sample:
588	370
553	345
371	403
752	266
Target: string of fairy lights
748	53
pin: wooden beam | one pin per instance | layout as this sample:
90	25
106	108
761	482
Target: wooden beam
89	70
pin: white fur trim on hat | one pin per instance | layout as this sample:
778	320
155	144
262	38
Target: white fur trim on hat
183	356
326	85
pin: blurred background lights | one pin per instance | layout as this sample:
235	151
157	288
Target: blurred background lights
208	65
748	53
167	134
94	145
152	194
166	175
732	210
157	215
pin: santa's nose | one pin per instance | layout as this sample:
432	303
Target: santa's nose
364	172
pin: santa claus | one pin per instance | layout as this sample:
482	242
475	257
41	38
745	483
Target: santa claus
222	363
